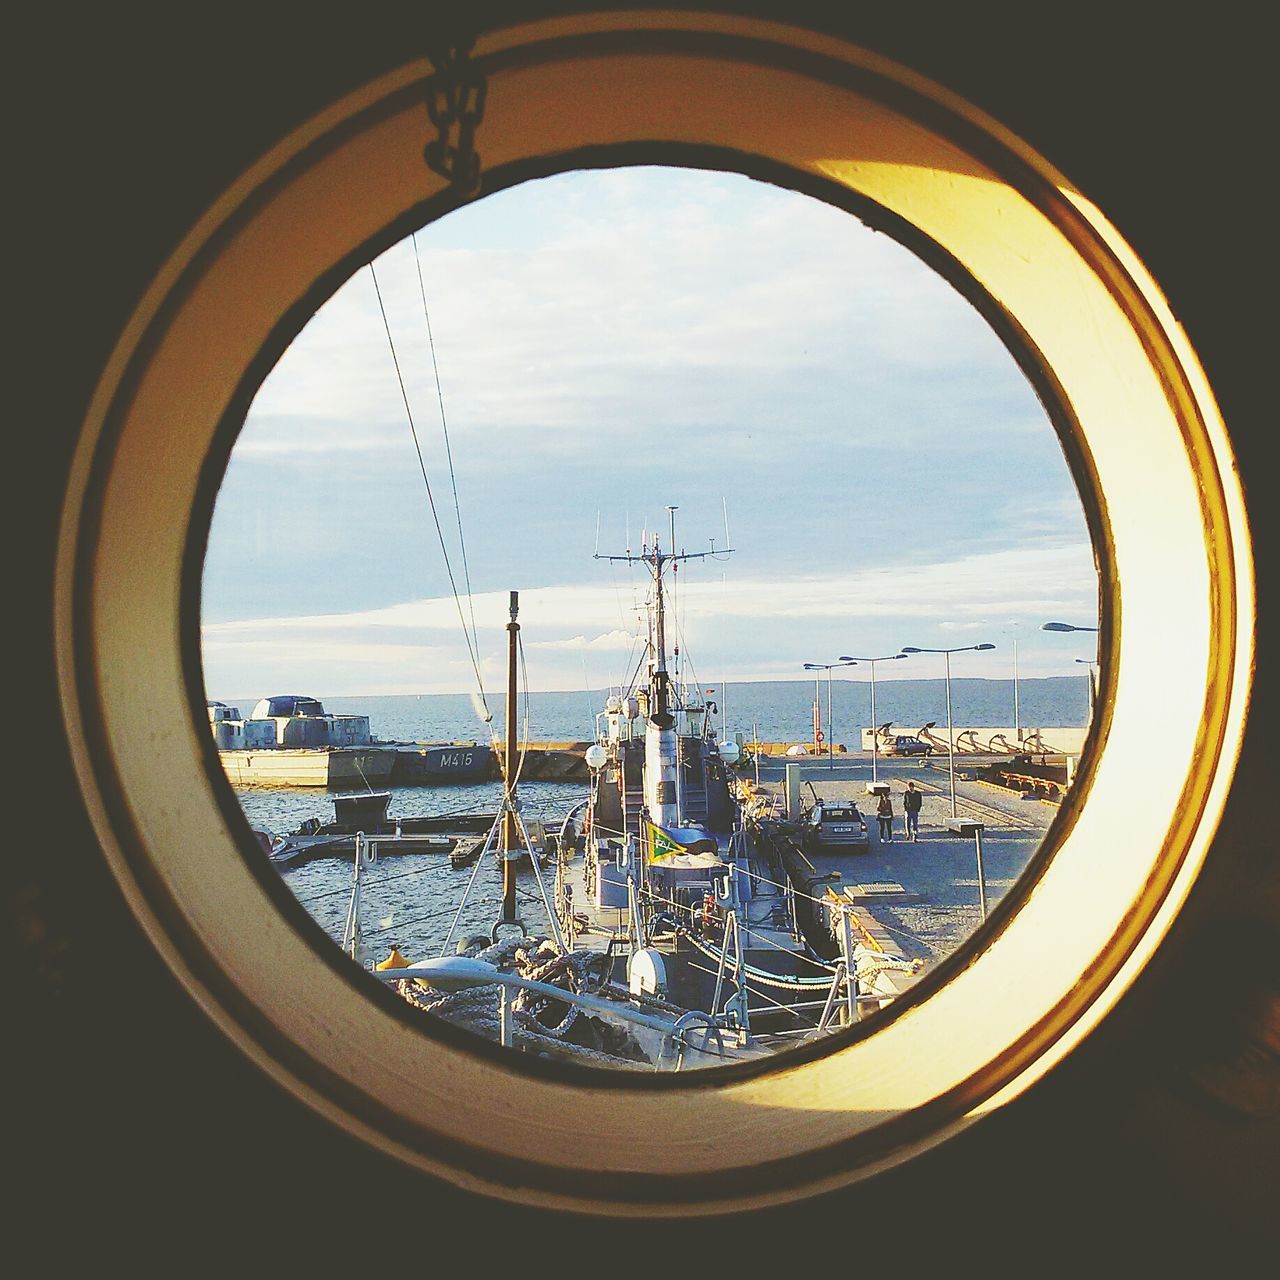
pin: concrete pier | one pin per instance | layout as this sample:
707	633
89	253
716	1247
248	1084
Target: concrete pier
939	905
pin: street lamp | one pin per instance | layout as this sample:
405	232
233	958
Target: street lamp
1069	626
951	738
826	666
875	734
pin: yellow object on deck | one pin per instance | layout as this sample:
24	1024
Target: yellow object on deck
394	961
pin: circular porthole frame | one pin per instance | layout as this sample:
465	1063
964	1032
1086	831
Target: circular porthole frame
1142	434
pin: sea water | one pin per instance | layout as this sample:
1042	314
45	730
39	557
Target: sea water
410	900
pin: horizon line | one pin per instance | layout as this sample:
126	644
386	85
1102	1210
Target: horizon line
718	684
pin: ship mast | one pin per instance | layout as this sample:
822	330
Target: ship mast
661	769
512	848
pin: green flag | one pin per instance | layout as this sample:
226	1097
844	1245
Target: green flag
661	845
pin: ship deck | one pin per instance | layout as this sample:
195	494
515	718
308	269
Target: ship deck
770	941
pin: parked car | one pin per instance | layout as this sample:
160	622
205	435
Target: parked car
904	744
837	826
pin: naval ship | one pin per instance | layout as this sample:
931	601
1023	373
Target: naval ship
669	933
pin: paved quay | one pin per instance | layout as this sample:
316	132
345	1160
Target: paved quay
940	871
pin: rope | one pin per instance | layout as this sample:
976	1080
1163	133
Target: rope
376	884
798	1015
317	897
684	653
784	982
539	961
487	1023
826	902
448	451
511	783
759	937
883	964
466	894
587	691
623	621
435	515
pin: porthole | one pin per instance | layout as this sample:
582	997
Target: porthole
1141	430
611	341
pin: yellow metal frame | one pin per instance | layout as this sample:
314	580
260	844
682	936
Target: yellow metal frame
1141	432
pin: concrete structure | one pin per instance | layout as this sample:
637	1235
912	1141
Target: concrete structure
337	768
288	721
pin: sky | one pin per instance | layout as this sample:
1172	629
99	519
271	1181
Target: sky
610	343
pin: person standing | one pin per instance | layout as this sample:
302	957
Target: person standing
884	816
911	802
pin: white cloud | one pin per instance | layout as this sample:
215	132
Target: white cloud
606	641
603	338
735	283
418	645
290	436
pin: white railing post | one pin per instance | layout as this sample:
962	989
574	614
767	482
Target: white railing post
850	964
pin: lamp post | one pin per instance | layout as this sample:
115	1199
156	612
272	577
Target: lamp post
951	737
1063	626
875	735
1093	685
1017	710
826	666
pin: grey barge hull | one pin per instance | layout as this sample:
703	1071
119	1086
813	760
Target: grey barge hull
401	764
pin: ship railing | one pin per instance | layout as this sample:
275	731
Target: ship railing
457	973
843	1000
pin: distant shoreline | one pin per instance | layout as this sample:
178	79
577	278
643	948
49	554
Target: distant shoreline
882	682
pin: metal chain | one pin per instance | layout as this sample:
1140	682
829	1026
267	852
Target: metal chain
455	103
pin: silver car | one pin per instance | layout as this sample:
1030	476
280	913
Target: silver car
837	826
